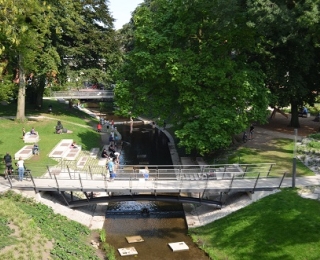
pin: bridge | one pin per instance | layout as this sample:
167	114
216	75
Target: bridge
177	184
84	94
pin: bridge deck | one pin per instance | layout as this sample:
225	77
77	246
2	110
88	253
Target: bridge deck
99	184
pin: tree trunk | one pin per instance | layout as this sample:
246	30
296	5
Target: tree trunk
22	92
294	122
40	90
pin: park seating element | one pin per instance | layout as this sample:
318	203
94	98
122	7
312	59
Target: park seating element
61	148
31	139
25	152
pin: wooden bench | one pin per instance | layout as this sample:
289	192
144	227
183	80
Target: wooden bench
25	152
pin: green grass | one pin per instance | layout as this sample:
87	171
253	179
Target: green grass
280	152
39	228
82	125
281	226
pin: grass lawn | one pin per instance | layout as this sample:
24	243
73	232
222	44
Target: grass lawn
280	152
29	230
82	125
281	226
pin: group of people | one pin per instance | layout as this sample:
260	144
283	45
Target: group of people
9	168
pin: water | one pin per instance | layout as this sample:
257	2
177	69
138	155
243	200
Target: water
158	223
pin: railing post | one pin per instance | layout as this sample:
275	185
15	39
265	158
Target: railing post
269	170
256	182
49	171
90	172
284	175
80	182
58	189
69	172
34	185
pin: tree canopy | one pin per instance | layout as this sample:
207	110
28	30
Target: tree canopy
191	65
288	42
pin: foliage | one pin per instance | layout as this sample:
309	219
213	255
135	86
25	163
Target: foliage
189	64
103	235
275	227
287	46
66	234
315	136
314	144
110	251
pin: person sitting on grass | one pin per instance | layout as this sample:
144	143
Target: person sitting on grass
35	149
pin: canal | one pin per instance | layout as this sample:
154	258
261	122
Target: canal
158	223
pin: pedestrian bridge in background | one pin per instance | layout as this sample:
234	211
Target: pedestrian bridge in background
192	184
84	94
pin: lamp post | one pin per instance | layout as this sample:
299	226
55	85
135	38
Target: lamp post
294	163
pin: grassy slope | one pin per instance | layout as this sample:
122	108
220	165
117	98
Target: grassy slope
281	226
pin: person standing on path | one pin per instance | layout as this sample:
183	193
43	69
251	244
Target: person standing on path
20	165
110	166
251	132
8	162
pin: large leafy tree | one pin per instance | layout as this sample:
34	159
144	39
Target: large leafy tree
288	50
190	65
23	29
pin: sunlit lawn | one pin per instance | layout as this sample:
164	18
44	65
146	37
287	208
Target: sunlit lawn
281	226
280	152
80	123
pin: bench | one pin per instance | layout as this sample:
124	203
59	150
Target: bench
94	152
25	152
61	148
71	154
82	161
31	139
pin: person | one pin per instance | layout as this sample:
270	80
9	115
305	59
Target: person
99	127
131	124
61	130
20	165
244	137
107	123
145	173
110	166
33	131
112	124
74	145
50	109
303	112
35	149
23	132
104	154
111	149
251	131
111	140
8	162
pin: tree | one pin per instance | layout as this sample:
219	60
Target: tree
288	49
190	65
23	27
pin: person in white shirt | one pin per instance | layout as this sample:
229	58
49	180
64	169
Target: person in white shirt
20	165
